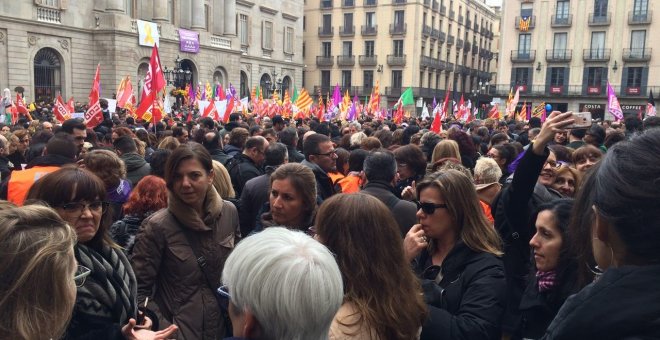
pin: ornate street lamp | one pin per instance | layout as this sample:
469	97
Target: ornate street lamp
177	76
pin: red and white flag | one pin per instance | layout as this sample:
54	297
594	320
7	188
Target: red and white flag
211	111
20	105
124	92
154	82
71	105
94	114
61	111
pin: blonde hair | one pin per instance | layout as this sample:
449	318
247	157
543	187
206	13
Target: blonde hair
446	148
37	266
487	171
107	166
169	143
577	176
464	207
222	181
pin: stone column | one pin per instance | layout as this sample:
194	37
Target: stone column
185	18
161	13
198	19
218	17
116	6
230	17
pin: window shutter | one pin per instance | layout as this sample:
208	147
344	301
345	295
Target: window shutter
645	78
263	34
624	79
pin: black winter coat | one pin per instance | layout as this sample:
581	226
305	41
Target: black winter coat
241	169
324	186
469	300
537	312
512	212
404	211
623	304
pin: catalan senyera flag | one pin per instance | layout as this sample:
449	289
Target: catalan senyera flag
494	112
538	110
374	100
522	116
304	101
525	22
124	92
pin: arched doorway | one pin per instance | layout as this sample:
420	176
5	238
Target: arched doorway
218	77
187	65
245	88
47	75
265	83
286	84
141	74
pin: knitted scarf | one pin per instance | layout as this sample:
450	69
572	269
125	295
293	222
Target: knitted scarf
110	291
546	280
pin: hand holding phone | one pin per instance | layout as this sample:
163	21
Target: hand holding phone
582	120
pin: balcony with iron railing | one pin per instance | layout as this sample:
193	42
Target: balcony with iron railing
452	14
450	40
325	60
368	60
476	27
346	31
636	54
639	17
449	67
427	62
532	22
561	21
459	44
393	91
396	59
441	64
325	4
346	60
442	37
602	19
398	29
426	30
347	3
427	3
370	3
596	54
435	5
468	24
443	10
434	33
369	30
558	56
460	19
523	56
475	49
325	32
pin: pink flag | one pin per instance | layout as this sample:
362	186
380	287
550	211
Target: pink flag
613	106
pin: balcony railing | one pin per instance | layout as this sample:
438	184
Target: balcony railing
639	18
468	24
326	31
475	49
427	61
346	60
523	56
50	15
398	29
476	27
459	43
434	33
435	5
396	59
532	22
603	19
596	54
325	61
460	20
399	2
426	30
558	56
442	37
370	3
441	64
393	91
369	30
450	40
636	54
348	3
427	3
590	90
368	60
443	10
561	21
452	14
449	67
346	31
326	4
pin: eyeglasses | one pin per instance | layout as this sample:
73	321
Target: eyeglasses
429	208
79	207
81	274
223	297
553	164
332	152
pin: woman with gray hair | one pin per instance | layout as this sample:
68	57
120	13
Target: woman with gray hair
281	285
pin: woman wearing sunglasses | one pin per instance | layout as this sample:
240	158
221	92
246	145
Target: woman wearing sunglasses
455	252
108	299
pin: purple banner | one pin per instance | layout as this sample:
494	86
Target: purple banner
189	41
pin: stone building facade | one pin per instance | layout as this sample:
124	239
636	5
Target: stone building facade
48	46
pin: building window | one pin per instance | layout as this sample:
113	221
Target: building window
243	29
399	18
600	9
369	48
597	44
267	35
634	77
325	80
640	7
557	76
47	75
562	11
521	76
595	76
326	49
345	79
559	47
526	9
348	21
128	4
398	48
304	23
288	40
429	79
370	2
347	48
637	43
397	79
245	86
368	79
327	23
370	19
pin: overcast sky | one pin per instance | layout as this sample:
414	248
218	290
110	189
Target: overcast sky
494	2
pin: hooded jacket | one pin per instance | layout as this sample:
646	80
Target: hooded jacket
136	167
324	186
167	269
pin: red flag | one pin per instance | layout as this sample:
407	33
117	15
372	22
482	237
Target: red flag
61	111
228	110
189	118
70	105
20	105
154	82
494	112
124	92
94	114
462	109
211	111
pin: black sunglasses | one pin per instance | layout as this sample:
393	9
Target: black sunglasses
429	208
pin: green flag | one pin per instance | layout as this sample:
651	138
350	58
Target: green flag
407	97
295	94
256	93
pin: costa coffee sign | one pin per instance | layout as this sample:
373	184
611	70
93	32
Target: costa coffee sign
589	107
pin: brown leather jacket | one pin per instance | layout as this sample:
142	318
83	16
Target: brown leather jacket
167	270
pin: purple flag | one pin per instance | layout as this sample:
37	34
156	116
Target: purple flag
203	94
336	96
613	106
435	103
232	90
192	94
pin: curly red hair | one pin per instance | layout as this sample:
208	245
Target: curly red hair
149	195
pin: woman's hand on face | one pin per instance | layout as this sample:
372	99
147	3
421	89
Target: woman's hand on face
131	332
410	192
414	242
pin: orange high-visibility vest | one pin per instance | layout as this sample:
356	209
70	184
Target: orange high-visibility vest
21	181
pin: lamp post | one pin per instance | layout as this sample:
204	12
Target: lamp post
177	76
483	87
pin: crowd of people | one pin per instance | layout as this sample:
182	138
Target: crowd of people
273	228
